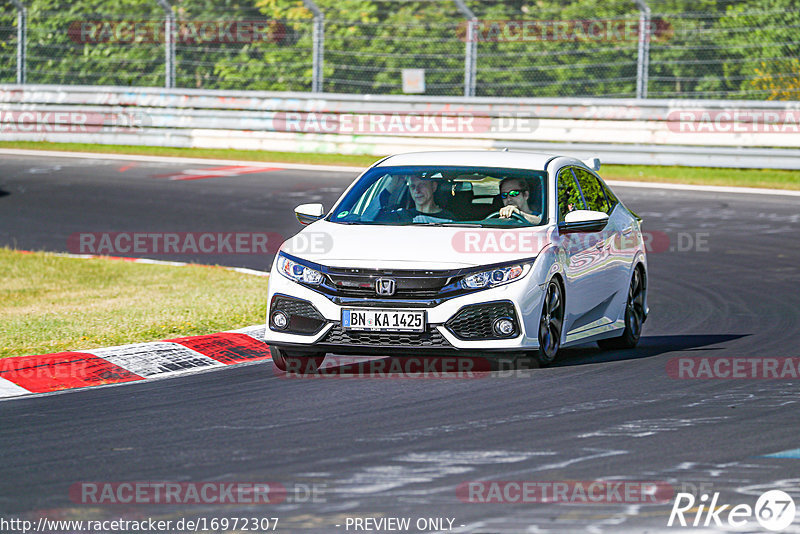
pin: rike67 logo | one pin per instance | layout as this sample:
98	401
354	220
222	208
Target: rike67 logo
774	510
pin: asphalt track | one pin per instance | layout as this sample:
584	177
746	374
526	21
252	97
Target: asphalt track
401	447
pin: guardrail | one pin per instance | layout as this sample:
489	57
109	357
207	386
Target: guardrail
628	131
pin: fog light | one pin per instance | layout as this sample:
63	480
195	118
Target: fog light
280	320
503	327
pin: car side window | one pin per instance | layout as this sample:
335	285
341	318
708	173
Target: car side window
612	199
369	203
592	191
569	196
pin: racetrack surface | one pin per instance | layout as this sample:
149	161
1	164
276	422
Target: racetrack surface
400	447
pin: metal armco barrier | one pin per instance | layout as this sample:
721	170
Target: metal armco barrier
743	134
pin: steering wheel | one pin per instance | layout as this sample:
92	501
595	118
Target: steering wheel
514	215
398	215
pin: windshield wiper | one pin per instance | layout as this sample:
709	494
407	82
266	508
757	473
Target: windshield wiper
431	224
456	224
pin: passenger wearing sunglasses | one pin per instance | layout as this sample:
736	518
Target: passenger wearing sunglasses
514	193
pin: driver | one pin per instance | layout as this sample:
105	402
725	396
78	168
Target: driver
514	193
425	207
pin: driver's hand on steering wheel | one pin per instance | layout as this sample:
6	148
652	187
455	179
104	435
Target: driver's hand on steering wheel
507	211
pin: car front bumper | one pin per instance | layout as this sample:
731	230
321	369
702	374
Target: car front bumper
523	296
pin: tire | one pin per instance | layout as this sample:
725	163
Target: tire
296	363
550	324
634	316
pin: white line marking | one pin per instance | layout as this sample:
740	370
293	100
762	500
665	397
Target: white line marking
256	331
242	270
337	168
10	389
176	159
245	270
707	188
156	358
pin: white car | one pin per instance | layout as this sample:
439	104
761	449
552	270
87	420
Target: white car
463	253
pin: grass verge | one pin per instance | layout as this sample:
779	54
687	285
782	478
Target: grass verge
51	303
211	153
764	178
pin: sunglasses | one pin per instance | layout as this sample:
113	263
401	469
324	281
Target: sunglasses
513	193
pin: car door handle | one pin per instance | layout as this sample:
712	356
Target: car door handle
600	245
627	231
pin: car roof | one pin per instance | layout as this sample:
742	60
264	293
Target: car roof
471	158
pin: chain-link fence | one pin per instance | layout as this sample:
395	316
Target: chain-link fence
583	48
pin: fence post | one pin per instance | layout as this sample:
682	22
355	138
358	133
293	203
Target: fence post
318	50
643	61
169	44
22	40
471	50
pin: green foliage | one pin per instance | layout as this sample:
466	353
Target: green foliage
701	48
763	44
8	50
592	191
569	196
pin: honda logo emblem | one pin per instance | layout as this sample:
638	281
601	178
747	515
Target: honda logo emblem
385	286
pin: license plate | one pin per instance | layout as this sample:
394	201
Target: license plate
384	320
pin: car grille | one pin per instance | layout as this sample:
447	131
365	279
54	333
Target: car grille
303	316
475	321
409	284
429	338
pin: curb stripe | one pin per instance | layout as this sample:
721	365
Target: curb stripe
223	172
62	370
157	358
23	375
227	348
10	389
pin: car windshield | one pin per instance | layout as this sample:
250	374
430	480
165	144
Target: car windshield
445	196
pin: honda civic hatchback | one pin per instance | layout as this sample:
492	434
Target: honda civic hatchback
462	253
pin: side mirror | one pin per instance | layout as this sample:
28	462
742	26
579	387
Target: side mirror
592	163
584	221
308	213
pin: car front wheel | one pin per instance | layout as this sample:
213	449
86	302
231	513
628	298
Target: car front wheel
550	324
296	363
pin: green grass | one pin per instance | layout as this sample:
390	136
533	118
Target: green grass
50	303
766	178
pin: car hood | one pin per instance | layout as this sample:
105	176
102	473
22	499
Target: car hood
414	247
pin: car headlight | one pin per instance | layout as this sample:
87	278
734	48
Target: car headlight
494	277
299	273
